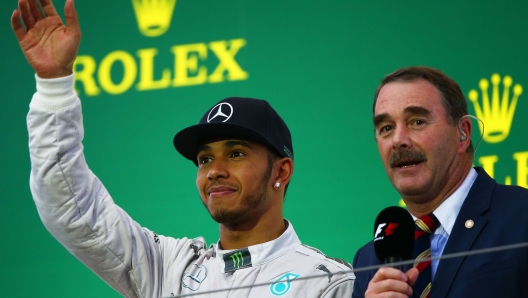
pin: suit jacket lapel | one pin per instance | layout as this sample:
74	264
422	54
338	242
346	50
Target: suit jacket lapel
461	238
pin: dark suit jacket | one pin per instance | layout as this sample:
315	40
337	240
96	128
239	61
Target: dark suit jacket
500	214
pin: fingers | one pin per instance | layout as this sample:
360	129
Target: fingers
27	17
49	8
17	26
389	282
30	13
35	10
389	273
72	19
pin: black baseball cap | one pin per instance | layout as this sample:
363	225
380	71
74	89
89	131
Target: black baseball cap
236	117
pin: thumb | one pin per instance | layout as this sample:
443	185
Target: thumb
412	276
72	19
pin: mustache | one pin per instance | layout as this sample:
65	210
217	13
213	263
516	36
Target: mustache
406	155
221	182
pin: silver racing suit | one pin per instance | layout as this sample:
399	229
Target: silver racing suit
77	209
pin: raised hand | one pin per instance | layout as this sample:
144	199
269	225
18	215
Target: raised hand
49	46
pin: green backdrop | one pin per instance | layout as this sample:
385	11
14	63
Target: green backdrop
317	62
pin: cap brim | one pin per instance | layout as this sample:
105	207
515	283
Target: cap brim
189	139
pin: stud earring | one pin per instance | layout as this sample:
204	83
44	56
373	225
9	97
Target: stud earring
277	185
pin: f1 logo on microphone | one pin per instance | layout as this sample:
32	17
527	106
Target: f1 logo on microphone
385	230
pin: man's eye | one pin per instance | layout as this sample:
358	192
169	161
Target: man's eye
385	129
237	154
418	122
204	159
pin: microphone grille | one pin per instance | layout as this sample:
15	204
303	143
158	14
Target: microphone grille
394	234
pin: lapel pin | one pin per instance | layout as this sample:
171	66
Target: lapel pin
469	223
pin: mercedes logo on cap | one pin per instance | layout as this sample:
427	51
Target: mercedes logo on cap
222	110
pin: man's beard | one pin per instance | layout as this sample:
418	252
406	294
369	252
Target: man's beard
252	201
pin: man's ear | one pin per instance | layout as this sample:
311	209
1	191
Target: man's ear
464	134
284	171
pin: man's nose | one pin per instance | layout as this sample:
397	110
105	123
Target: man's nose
217	170
401	138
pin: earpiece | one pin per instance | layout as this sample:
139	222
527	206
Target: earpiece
463	136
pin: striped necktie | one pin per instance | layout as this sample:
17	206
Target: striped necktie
425	226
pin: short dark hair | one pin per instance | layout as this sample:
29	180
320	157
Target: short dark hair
453	99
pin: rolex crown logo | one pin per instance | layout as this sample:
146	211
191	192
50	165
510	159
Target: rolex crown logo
497	113
153	16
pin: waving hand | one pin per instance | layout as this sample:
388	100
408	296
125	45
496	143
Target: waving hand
49	46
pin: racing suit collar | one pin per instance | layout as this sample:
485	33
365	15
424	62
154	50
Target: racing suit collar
258	254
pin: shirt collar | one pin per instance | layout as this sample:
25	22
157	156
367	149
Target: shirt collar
256	255
448	211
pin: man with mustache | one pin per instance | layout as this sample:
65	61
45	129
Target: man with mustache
244	154
423	136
